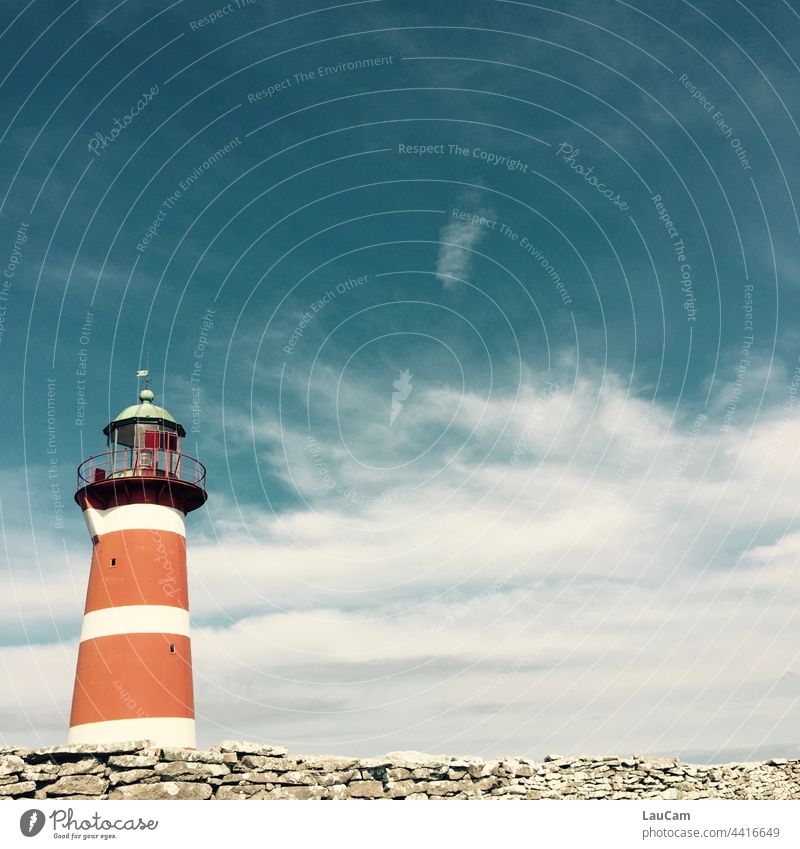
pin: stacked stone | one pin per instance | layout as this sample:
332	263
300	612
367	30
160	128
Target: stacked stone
240	770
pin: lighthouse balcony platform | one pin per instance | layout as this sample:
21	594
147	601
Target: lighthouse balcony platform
150	475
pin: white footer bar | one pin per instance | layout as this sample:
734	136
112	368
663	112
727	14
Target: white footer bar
617	824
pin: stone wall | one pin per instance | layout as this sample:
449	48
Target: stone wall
239	770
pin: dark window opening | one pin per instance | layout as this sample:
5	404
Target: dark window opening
113	561
172	648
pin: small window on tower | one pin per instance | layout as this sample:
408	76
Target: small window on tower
113	561
172	648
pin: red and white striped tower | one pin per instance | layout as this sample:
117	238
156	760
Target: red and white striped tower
134	674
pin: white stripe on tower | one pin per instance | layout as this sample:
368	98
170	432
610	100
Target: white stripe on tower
151	517
135	619
178	731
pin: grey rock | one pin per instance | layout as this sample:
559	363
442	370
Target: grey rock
444	788
327	764
260	762
11	764
328	779
403	789
85	785
191	771
398	774
133	761
477	769
130	776
248	778
242	791
410	760
34	775
456	774
85	765
365	790
294	793
510	790
297	777
243	747
195	755
336	791
17	788
163	790
93	748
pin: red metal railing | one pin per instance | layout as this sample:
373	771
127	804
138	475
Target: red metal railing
143	463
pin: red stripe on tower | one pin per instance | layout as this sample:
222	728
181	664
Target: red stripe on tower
134	671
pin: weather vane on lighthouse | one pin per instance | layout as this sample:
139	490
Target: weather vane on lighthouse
134	671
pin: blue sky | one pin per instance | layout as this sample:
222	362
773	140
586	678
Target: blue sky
497	311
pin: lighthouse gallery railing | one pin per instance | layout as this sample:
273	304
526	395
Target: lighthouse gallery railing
141	462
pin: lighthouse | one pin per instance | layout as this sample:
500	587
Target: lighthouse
134	671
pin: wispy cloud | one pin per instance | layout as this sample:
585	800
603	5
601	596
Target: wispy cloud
457	241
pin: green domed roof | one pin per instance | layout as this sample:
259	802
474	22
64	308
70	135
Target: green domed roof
145	409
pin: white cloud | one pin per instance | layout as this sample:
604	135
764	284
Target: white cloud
457	240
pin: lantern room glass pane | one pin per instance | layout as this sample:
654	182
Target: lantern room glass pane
124	435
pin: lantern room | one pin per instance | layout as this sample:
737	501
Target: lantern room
143	450
144	438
